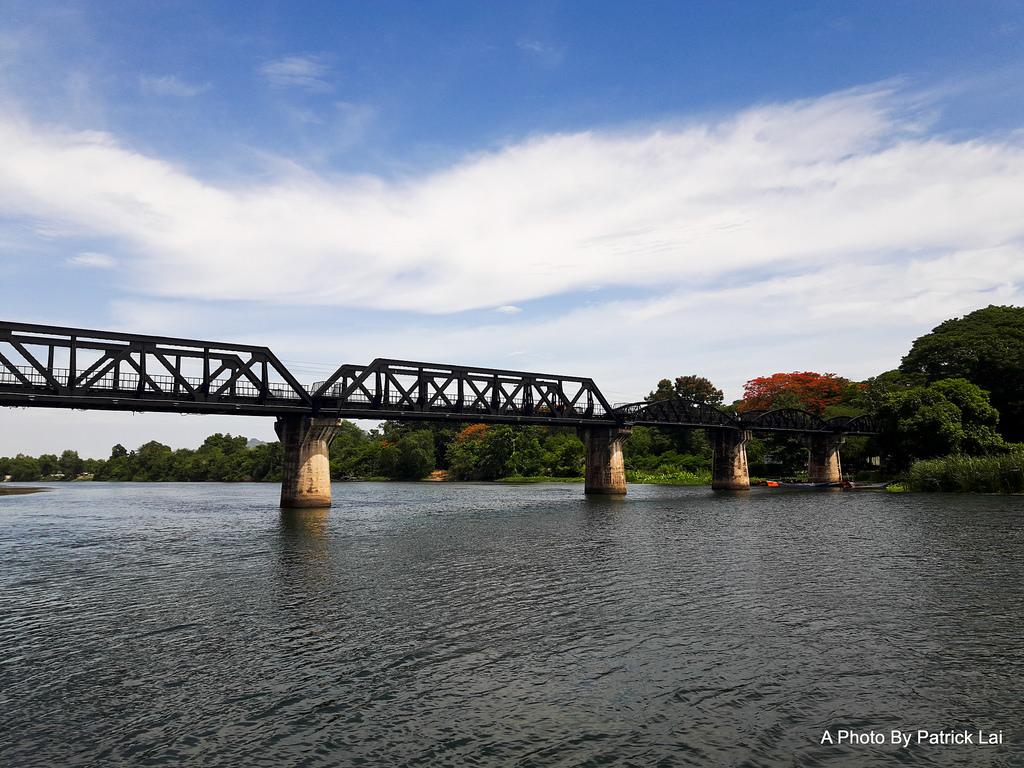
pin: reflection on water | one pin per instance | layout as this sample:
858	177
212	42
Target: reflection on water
305	524
451	624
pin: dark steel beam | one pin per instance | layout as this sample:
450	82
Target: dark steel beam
384	389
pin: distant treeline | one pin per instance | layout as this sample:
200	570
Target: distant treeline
220	457
412	451
393	451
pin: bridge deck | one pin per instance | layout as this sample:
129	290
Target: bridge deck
57	367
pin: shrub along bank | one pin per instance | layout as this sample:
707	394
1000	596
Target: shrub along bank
980	474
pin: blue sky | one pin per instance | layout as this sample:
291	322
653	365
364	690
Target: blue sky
627	191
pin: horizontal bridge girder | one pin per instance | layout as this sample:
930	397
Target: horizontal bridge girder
60	367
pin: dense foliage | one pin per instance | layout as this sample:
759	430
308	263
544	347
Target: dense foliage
951	416
27	468
695	388
814	392
394	451
986	348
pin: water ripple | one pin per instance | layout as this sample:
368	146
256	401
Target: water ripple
450	625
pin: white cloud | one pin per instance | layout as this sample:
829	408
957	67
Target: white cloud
856	323
307	72
844	182
93	260
169	85
508	309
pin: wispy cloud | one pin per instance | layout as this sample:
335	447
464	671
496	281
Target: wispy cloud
847	182
352	123
92	260
309	72
169	85
547	53
508	309
533	46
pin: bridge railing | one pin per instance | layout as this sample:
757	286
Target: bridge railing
129	382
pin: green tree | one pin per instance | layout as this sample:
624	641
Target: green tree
411	457
266	462
986	347
48	464
70	464
353	453
695	388
465	452
152	462
117	467
24	468
945	417
482	452
564	454
527	457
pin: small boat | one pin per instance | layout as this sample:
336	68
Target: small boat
783	484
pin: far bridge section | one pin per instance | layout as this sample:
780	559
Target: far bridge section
729	433
58	367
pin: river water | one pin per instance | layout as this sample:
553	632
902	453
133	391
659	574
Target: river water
473	624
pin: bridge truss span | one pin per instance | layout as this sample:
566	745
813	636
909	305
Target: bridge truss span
414	390
77	368
675	412
57	367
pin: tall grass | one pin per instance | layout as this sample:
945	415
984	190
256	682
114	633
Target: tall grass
978	474
671	477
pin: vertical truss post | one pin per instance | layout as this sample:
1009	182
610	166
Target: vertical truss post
141	388
72	363
206	372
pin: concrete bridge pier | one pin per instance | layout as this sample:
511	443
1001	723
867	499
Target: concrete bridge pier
306	470
729	459
823	463
605	472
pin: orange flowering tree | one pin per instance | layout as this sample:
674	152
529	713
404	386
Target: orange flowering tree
472	433
810	391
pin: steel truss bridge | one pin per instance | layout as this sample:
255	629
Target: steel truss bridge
57	367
